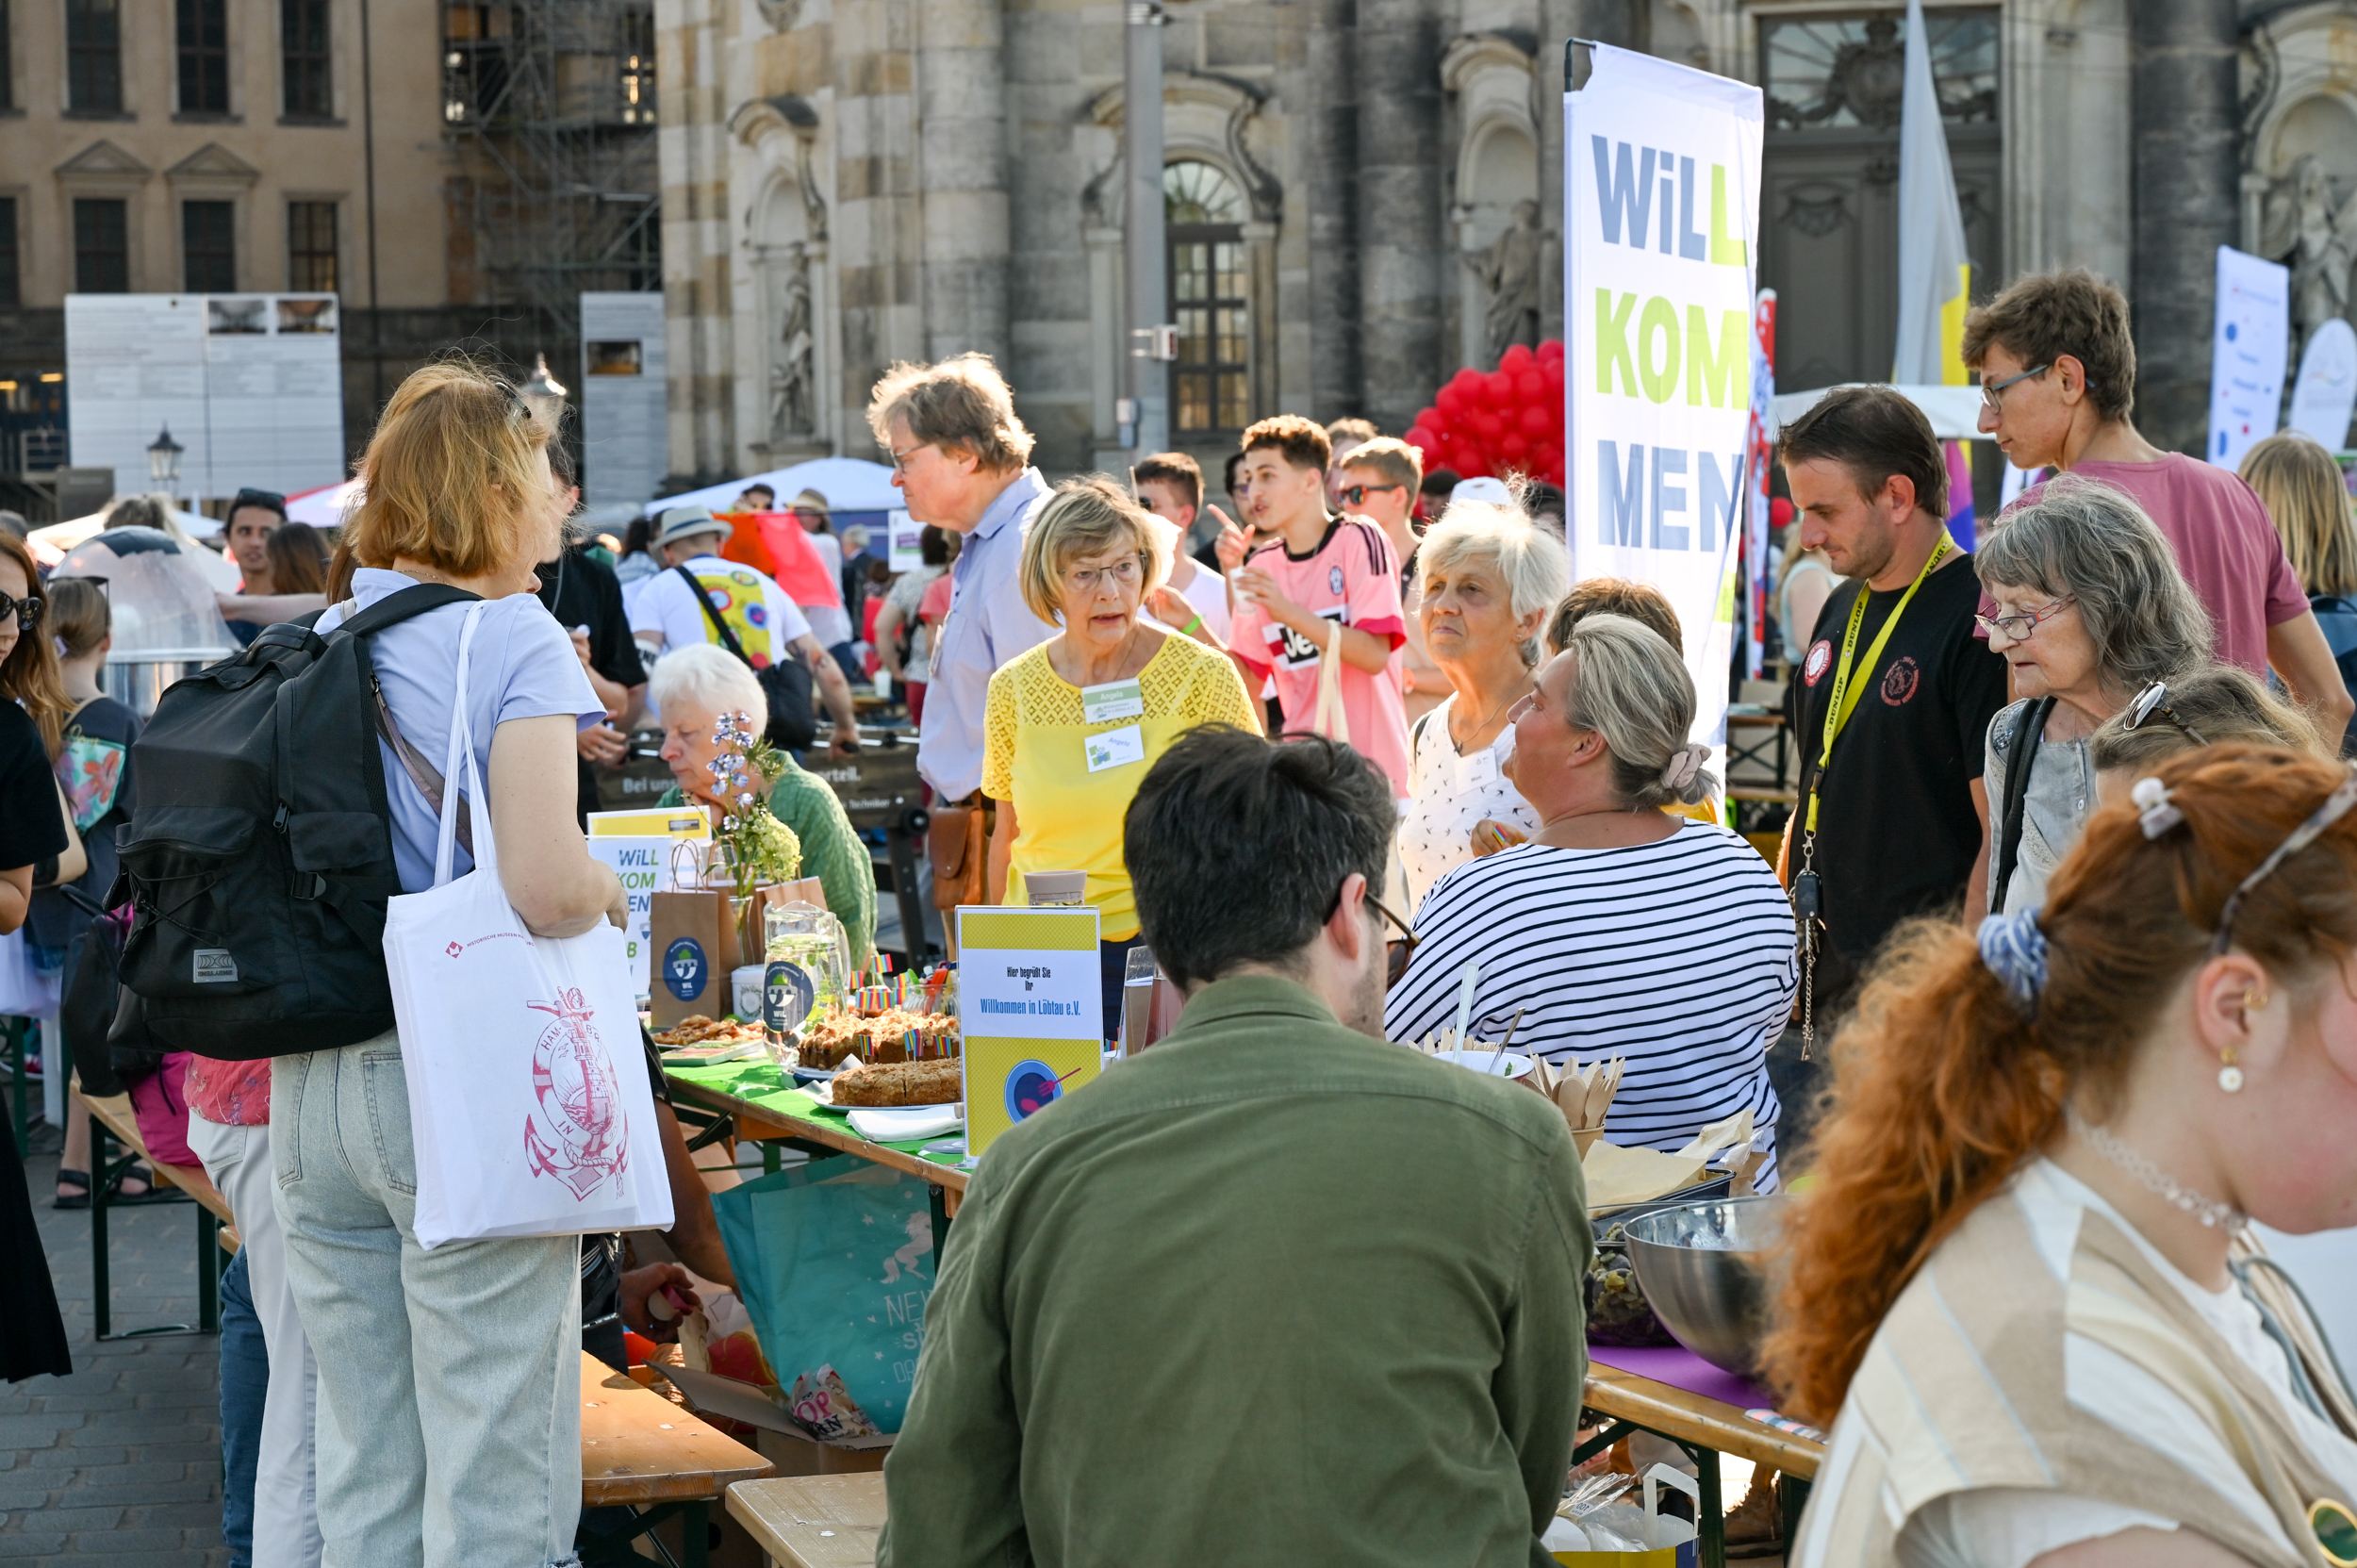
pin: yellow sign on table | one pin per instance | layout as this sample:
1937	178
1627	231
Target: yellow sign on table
1030	1009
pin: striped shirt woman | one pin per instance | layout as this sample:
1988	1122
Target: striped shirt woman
1676	955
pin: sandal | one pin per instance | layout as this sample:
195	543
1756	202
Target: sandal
157	1191
78	1178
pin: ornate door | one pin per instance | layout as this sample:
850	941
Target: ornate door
1829	220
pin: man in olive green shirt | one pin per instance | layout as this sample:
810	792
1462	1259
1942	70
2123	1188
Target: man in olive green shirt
1273	1292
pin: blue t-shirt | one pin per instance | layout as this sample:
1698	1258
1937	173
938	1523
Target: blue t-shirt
523	666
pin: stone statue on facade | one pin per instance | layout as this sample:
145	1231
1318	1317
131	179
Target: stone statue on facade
2315	234
793	374
1510	269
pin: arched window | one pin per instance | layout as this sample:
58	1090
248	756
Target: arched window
1204	214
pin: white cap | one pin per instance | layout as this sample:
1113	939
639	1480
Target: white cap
1482	488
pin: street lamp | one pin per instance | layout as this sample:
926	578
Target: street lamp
163	461
544	394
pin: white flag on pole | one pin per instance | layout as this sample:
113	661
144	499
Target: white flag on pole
1932	255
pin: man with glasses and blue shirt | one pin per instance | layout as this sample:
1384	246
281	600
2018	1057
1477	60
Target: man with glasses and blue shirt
961	457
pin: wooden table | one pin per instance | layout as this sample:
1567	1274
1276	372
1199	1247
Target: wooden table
819	1135
641	1451
112	1121
812	1521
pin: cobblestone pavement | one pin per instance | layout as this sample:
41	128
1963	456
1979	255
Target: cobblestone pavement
118	1465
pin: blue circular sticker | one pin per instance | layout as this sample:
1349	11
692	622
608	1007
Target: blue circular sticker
1032	1087
787	996
685	969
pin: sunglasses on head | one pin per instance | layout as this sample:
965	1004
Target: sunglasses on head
250	497
2152	703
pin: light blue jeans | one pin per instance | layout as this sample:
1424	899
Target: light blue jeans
448	1381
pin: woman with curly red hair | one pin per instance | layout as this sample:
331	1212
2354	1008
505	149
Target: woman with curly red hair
2023	1276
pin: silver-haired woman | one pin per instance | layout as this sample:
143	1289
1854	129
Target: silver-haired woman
2091	609
1488	577
1618	930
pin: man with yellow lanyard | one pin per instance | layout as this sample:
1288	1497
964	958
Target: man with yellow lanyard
1892	703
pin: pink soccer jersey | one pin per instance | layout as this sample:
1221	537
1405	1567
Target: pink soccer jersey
1351	577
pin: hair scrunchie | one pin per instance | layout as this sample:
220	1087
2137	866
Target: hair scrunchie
1684	764
2013	949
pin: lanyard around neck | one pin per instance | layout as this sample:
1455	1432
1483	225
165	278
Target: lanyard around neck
1844	696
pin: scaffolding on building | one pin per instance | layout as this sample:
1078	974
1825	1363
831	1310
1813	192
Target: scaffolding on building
548	107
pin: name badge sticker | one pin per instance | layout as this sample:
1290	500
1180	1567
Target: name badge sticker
1113	700
1116	747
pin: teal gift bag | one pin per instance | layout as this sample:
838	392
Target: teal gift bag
835	1271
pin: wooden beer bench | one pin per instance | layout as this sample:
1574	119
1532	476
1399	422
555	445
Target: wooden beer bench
812	1521
110	1122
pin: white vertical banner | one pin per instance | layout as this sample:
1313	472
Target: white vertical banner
2325	393
1661	222
2250	352
624	397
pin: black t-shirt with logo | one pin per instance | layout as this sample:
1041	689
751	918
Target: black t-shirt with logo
1896	830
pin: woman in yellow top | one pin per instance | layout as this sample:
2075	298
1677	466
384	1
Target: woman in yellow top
1071	725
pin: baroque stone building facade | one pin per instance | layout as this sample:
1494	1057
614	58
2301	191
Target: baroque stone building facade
1364	196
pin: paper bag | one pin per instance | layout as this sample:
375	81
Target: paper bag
694	938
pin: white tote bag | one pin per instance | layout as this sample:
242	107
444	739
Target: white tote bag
529	1104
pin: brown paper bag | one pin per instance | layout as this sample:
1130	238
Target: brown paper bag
693	936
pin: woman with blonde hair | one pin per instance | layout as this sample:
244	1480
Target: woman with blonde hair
449	1427
2307	497
1071	725
2022	1284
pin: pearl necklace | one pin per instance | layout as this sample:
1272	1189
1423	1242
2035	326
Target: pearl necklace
2211	1214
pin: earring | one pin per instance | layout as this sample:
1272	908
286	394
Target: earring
2228	1075
2253	998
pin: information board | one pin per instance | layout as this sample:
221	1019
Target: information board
1030	1012
625	401
250	385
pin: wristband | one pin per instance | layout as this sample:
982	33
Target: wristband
1191	627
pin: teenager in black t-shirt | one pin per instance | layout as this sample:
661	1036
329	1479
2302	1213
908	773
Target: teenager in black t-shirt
1898	805
583	594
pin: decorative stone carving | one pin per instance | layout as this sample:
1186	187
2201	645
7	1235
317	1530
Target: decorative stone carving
2312	230
780	14
1509	269
792	365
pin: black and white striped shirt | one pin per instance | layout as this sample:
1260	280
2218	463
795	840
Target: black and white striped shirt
1676	955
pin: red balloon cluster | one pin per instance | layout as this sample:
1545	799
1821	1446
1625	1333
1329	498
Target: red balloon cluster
1501	422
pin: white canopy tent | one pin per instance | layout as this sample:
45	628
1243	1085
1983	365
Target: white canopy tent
850	485
1955	411
324	507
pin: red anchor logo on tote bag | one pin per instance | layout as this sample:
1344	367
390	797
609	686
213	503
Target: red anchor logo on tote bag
576	1132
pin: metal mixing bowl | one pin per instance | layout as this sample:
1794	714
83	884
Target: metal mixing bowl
1700	1267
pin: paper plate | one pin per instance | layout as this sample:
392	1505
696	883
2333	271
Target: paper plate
1498	1063
899	1123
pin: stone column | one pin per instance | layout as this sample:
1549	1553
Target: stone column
961	92
1326	195
1399	44
2186	185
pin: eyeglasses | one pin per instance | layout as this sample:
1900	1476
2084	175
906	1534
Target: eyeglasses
2018	625
1127	573
1397	951
1992	392
2151	703
900	458
1356	495
2336	805
27	610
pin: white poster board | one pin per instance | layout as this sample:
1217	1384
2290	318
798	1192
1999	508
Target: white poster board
908	540
1661	222
624	398
250	385
2249	350
2326	392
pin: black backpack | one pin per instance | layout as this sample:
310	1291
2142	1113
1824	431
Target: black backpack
785	681
260	854
107	1043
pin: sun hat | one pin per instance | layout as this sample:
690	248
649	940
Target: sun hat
674	523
